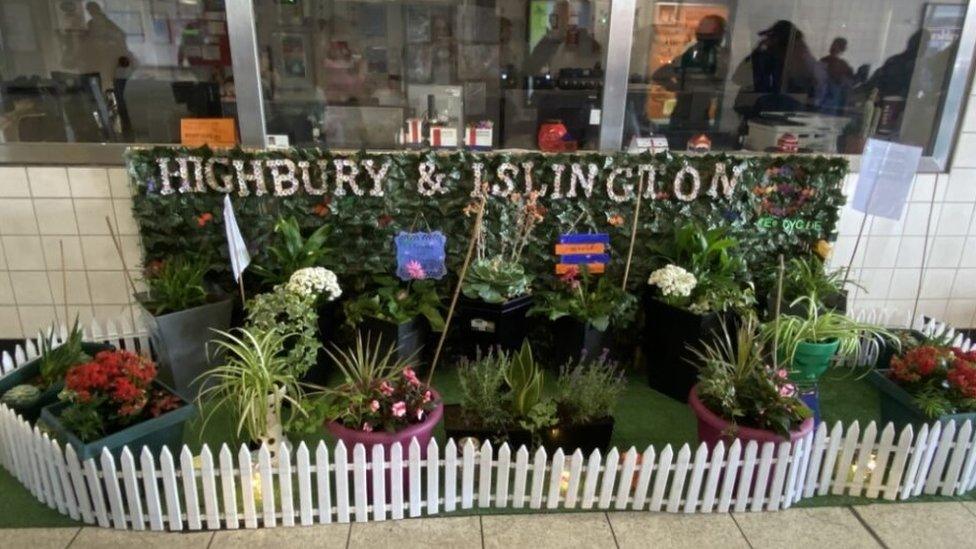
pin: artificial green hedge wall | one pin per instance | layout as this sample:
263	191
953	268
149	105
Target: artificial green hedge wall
781	204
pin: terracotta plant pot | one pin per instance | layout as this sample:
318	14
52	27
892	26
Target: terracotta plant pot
712	428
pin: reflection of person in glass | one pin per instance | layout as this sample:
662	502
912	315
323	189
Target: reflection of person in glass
105	44
780	74
568	43
840	77
697	76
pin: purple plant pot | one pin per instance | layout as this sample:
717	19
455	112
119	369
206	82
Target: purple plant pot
712	428
423	432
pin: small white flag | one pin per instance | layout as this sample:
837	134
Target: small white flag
239	258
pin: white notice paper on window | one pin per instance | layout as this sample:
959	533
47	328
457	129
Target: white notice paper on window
887	172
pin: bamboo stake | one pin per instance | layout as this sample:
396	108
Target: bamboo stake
633	229
475	233
779	303
118	249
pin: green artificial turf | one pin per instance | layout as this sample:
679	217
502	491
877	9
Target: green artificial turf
643	417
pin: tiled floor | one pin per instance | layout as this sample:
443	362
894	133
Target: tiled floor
929	525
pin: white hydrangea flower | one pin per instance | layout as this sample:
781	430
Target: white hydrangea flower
315	280
673	281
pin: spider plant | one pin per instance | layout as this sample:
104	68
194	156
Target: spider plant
253	370
809	277
788	332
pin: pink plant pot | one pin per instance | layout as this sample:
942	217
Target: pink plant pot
712	428
422	431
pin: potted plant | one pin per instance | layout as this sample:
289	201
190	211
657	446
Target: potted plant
292	308
739	397
380	399
398	314
808	344
808	276
36	384
497	290
501	399
927	383
694	295
254	382
116	401
587	391
180	315
582	312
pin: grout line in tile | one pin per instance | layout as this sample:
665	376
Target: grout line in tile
481	529
741	531
74	537
349	535
867	526
606	516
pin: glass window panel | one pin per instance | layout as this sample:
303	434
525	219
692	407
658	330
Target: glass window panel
349	74
111	70
767	75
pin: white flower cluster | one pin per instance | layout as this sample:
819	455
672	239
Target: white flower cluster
673	281
315	280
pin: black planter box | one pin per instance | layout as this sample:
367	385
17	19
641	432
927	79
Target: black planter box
888	348
898	406
585	437
836	303
669	336
409	338
572	337
457	427
488	325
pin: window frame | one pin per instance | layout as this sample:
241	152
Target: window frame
242	32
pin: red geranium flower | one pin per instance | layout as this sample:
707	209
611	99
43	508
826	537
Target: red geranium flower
204	218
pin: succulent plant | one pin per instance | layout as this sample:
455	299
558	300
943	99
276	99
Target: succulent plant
21	397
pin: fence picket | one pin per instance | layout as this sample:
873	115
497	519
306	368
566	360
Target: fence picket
450	476
170	491
829	459
678	481
926	464
881	461
864	452
611	464
573	483
42	489
433	477
762	477
555	479
846	458
229	488
415	486
521	472
268	511
70	502
643	479
969	469
46	453
779	476
323	487
150	487
731	472
803	473
501	479
250	483
304	472
359	481
341	483
484	475
917	453
697	473
590	482
191	499
897	470
934	480
954	468
112	490
745	477
284	486
661	478
78	481
626	479
714	473
467	475
396	481
797	452
95	488
211	507
379	482
132	496
538	478
6	363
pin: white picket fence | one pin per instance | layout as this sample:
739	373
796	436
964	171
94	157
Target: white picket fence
224	488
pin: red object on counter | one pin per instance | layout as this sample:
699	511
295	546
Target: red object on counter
554	137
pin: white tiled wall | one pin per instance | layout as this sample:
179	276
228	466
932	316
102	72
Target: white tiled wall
45	208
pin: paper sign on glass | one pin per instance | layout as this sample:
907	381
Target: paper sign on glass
214	132
420	255
885	179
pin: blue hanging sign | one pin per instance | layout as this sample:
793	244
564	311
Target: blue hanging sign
420	255
588	249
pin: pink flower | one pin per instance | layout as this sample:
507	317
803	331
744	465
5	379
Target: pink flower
374	406
399	409
428	396
415	270
386	388
420	414
411	377
367	427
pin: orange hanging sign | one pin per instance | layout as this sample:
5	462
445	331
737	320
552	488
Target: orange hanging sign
214	132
